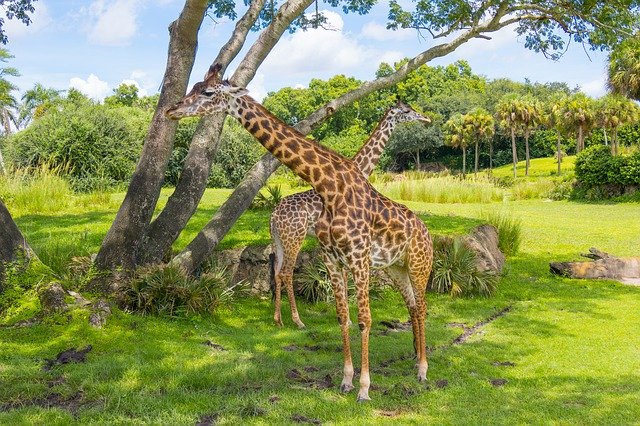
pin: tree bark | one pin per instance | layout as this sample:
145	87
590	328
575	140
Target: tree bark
124	239
526	150
3	169
580	143
490	155
206	241
514	151
12	242
464	162
182	203
477	159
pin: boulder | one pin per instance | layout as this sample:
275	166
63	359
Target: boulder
52	298
483	240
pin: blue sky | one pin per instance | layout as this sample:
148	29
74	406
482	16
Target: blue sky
96	45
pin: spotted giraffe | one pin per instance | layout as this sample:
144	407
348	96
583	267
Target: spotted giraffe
296	215
358	229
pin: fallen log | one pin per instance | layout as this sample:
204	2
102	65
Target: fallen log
601	265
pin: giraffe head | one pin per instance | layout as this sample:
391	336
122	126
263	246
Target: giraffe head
207	97
401	113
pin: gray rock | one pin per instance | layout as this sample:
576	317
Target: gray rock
52	298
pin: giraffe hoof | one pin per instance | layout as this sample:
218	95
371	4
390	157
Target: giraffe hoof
362	398
279	323
301	325
345	388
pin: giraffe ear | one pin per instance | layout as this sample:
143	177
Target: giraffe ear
234	91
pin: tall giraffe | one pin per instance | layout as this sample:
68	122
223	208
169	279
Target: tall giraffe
359	228
296	215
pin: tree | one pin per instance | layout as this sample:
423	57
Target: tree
508	113
480	126
12	244
18	9
614	111
623	73
133	239
123	95
457	135
579	116
552	118
36	102
8	103
530	117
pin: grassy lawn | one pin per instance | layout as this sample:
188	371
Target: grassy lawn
543	350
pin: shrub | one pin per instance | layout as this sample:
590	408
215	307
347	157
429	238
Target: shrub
455	272
35	190
83	140
168	290
269	200
509	231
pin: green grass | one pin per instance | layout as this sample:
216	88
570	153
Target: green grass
573	343
538	167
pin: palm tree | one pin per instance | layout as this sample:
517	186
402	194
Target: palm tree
530	116
480	126
456	135
552	118
615	111
8	103
624	68
508	113
36	101
578	115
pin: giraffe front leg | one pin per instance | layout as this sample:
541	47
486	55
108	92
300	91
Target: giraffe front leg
345	280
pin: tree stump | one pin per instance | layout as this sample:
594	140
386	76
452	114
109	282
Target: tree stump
601	265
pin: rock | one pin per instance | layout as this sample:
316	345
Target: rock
604	265
52	298
483	240
100	312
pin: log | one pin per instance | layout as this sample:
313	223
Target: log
603	265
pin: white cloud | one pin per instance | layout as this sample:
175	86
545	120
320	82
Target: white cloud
595	88
39	20
256	88
481	47
113	23
378	32
93	87
321	52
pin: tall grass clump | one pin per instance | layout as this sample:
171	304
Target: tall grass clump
169	291
532	189
442	189
455	272
509	231
35	190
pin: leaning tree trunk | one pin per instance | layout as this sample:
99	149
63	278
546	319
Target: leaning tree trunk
193	181
464	162
514	152
205	242
13	245
559	154
121	246
526	151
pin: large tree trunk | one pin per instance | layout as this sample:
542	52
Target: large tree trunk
193	181
205	242
580	143
122	244
514	151
13	245
464	162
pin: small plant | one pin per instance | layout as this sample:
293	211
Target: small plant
455	272
168	290
315	285
509	231
268	200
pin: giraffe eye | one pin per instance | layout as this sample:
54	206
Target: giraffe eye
208	92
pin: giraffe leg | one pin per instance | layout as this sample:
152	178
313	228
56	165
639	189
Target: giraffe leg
288	281
287	243
277	316
342	310
345	280
420	263
361	278
402	281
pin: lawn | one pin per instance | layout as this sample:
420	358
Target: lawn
543	350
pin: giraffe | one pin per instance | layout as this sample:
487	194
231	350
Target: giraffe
358	229
295	216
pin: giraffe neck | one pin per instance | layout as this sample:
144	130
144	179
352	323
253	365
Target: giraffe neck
314	163
369	154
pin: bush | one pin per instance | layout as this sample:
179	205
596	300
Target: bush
509	231
593	166
83	140
455	272
168	290
601	175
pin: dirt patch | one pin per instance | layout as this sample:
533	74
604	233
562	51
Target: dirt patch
442	383
503	364
299	418
312	348
388	413
70	403
208	420
291	348
65	357
56	381
214	346
395	326
470	331
310	369
455	325
274	399
498	382
309	382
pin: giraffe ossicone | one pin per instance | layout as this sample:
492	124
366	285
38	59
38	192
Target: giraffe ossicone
358	228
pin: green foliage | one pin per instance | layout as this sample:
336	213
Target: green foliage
269	200
39	190
509	231
624	68
593	166
88	141
315	285
455	273
123	95
169	291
